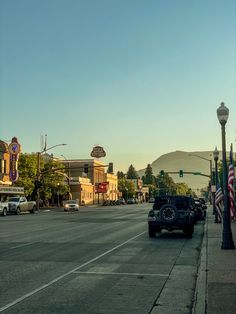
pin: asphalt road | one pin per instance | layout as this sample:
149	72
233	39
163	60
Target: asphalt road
99	260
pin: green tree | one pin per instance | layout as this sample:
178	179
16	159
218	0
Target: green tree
166	185
149	178
131	173
126	187
120	175
27	167
52	176
53	179
183	189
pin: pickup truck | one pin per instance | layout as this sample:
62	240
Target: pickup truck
18	204
3	208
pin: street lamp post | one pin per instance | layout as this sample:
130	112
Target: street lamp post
216	157
39	170
68	177
227	239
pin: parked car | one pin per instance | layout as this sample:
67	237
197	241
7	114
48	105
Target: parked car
19	204
71	205
3	208
131	201
171	213
151	200
120	201
200	209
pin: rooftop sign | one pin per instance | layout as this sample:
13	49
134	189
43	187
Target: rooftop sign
98	152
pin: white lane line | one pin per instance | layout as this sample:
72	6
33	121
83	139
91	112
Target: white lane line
21	245
119	274
27	295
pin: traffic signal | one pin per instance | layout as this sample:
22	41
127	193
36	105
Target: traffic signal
110	167
181	173
162	172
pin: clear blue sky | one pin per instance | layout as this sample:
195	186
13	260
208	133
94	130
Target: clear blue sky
140	78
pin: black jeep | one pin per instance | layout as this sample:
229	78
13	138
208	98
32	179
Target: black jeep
172	213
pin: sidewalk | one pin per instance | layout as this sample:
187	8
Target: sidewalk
216	283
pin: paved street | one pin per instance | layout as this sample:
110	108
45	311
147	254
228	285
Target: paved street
99	260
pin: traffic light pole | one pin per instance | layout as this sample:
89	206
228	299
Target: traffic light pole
187	172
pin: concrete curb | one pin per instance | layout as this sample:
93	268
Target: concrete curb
200	296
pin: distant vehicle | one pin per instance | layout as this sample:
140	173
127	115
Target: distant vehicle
200	208
171	213
120	201
151	200
131	201
19	204
3	208
71	205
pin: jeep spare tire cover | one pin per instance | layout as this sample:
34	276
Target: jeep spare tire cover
168	213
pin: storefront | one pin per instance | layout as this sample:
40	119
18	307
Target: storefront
6	191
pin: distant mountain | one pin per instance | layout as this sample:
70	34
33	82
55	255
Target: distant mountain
185	161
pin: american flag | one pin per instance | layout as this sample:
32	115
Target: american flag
219	201
231	184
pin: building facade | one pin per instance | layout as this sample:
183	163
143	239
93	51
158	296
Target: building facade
101	185
4	164
8	166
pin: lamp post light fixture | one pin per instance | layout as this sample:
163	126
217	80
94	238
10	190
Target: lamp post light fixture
216	157
227	239
39	170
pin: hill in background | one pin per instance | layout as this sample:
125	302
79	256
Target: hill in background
185	161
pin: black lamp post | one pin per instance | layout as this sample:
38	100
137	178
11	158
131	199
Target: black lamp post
216	157
227	239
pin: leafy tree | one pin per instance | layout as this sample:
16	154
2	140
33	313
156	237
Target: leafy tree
149	178
27	167
183	189
120	175
126	187
132	173
166	185
153	190
52	176
53	179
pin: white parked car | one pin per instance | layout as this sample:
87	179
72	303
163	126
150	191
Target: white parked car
3	208
71	205
18	204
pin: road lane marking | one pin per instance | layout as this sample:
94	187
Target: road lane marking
115	273
27	295
21	245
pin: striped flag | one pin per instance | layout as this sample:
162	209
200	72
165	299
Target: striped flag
231	184
219	201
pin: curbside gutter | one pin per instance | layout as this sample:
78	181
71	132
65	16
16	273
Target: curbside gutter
200	295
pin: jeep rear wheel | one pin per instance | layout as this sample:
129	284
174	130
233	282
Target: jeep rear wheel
168	213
